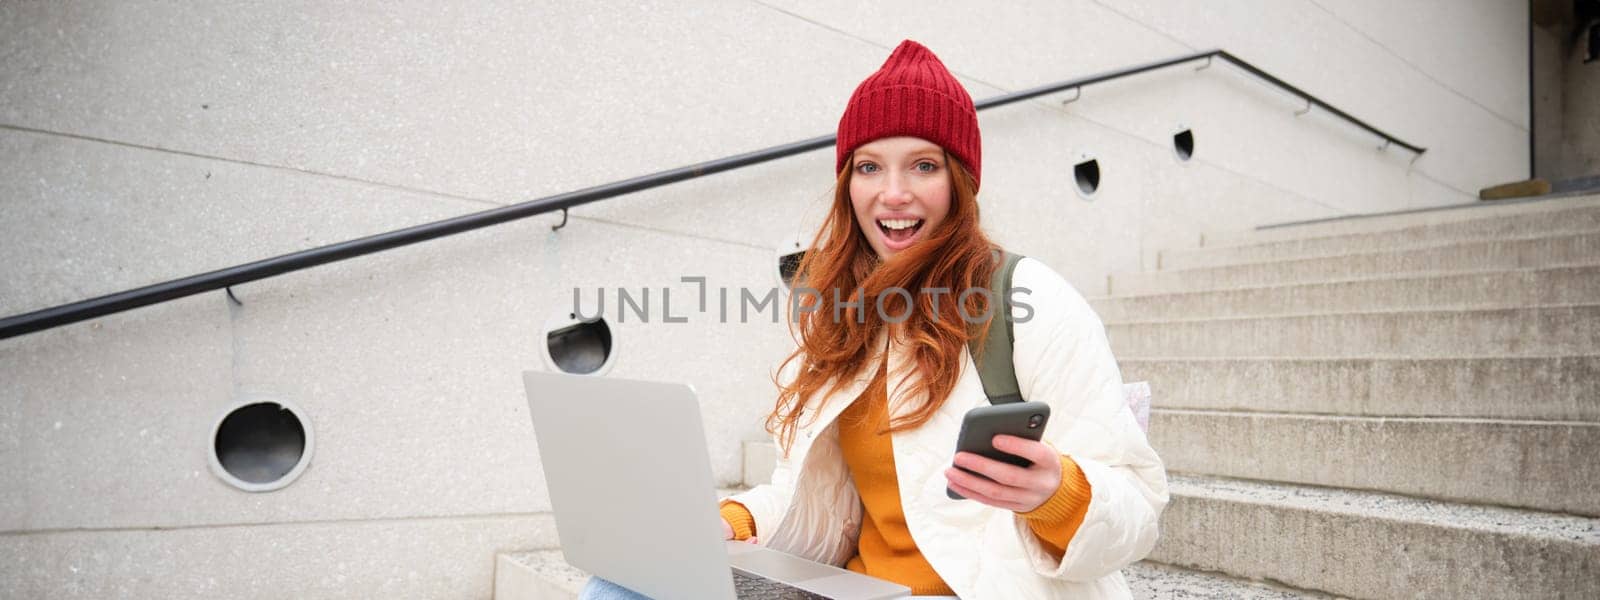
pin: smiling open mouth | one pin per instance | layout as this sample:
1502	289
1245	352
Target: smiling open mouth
899	230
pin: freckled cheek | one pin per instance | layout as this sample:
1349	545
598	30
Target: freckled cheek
861	212
940	208
861	203
860	195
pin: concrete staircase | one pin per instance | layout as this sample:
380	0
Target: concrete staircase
545	575
1401	406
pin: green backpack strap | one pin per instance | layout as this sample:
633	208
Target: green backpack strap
995	368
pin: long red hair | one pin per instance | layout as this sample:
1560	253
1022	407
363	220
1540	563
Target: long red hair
955	256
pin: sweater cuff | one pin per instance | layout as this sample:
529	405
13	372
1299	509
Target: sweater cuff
744	524
1057	520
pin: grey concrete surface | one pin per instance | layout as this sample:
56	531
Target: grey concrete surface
1154	580
407	558
416	403
1029	205
145	141
400	98
1421	105
497	100
1515	332
113	416
1528	464
1580	119
486	147
1145	192
424	387
545	575
1369	545
1146	200
1471	290
1083	37
1302	155
1545	389
760	457
542	574
1400	219
83	219
1395	27
539	575
1549	75
1574	221
1553	251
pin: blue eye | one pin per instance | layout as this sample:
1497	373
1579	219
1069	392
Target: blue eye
866	168
927	167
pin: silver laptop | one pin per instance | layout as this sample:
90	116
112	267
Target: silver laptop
630	482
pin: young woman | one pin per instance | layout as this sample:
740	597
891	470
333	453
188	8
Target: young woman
871	401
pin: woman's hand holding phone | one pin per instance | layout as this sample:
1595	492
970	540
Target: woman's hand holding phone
727	532
1013	488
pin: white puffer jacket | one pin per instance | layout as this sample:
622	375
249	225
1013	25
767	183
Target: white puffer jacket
1062	358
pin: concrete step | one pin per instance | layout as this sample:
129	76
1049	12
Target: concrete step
1491	289
1546	389
1516	332
1540	465
1158	581
1370	545
536	575
545	575
1438	216
1587	184
1541	224
1536	253
759	459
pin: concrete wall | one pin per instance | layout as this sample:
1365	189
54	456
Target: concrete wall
1580	114
1548	97
145	141
1566	95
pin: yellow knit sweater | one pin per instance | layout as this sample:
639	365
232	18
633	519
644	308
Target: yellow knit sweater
886	549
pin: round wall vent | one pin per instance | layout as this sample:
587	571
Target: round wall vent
1183	144
260	446
1087	174
788	265
582	346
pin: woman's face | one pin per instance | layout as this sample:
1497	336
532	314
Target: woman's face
900	191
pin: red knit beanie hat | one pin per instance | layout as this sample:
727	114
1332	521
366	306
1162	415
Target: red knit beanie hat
912	94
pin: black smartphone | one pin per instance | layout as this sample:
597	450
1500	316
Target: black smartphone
978	428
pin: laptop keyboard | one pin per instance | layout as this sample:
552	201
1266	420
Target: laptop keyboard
756	588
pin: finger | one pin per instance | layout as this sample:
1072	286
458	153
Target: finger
753	540
1040	479
1009	475
1034	490
1035	451
969	493
964	491
977	496
988	489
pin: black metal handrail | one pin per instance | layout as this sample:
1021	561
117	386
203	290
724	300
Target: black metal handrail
224	278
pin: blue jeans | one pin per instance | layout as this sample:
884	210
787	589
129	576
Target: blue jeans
600	589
